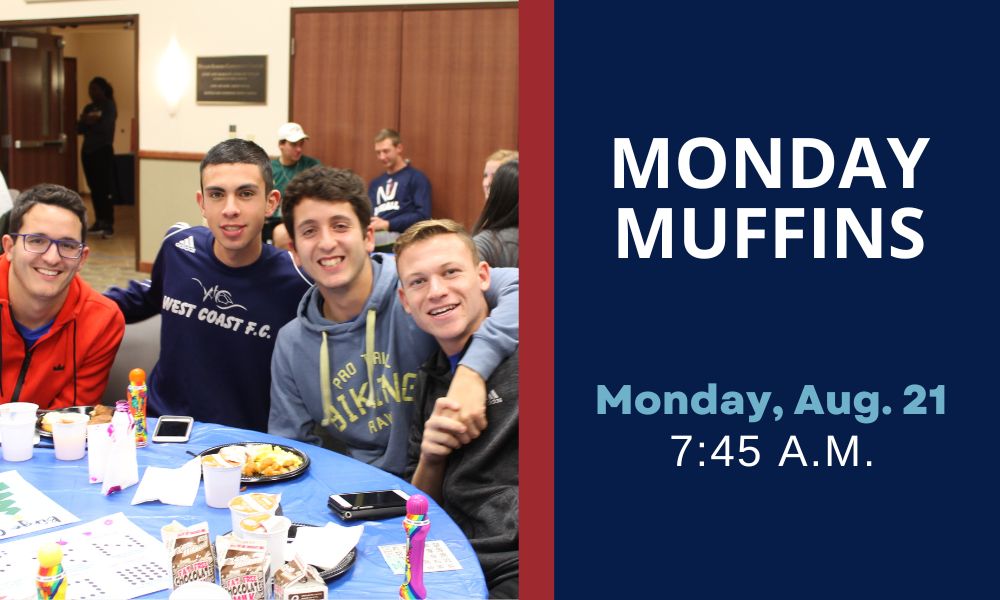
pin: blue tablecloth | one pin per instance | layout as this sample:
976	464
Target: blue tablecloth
303	499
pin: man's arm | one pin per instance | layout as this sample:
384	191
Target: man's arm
419	207
493	342
440	439
137	302
144	299
288	417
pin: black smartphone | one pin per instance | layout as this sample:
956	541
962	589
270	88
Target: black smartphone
380	504
172	429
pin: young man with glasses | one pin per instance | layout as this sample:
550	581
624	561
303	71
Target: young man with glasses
59	336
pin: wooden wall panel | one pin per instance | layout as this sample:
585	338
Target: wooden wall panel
459	99
445	78
345	78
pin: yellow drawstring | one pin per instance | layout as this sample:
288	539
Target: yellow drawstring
370	354
324	373
324	363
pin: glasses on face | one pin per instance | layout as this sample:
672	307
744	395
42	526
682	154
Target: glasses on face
39	244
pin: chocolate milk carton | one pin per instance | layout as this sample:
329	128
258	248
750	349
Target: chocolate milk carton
244	570
296	580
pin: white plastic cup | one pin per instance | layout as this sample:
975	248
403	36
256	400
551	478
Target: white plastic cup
272	530
222	482
69	435
17	430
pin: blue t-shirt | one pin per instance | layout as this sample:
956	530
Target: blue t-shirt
32	335
218	329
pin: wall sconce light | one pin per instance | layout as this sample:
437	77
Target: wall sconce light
172	76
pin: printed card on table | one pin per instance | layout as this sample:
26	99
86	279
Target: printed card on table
437	557
25	509
110	557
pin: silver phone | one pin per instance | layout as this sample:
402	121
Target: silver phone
173	429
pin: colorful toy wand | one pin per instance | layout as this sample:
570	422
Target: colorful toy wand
137	404
51	581
416	525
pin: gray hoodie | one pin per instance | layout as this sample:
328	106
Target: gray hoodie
372	421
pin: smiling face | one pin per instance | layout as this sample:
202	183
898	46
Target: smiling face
333	248
442	287
44	277
234	202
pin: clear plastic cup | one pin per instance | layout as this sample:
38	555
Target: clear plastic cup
17	430
69	436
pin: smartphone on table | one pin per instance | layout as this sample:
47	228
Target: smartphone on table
171	428
380	504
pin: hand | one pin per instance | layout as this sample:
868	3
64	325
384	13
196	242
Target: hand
469	389
380	224
441	431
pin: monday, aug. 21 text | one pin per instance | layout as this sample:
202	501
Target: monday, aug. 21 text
863	405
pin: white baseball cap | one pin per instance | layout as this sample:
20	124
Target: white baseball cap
291	132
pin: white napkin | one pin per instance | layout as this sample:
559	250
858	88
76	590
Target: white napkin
170	486
324	547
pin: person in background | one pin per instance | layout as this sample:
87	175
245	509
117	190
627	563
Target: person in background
59	337
401	196
97	124
476	484
493	162
349	361
496	231
222	295
7	196
292	161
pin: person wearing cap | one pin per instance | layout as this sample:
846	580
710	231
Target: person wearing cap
401	196
291	140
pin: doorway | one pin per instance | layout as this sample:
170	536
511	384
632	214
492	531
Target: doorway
87	47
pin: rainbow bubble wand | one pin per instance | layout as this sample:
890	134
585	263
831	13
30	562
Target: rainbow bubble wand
137	404
416	525
51	581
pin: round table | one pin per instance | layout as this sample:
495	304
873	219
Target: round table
303	499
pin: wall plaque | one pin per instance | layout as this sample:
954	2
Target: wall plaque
232	79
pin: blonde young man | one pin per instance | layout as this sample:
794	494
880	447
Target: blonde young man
442	282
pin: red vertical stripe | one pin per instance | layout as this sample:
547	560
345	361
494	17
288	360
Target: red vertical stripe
536	232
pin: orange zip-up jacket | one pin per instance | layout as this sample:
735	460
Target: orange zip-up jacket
69	365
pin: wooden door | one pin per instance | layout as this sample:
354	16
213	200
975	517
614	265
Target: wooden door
345	79
34	128
459	89
69	118
446	78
